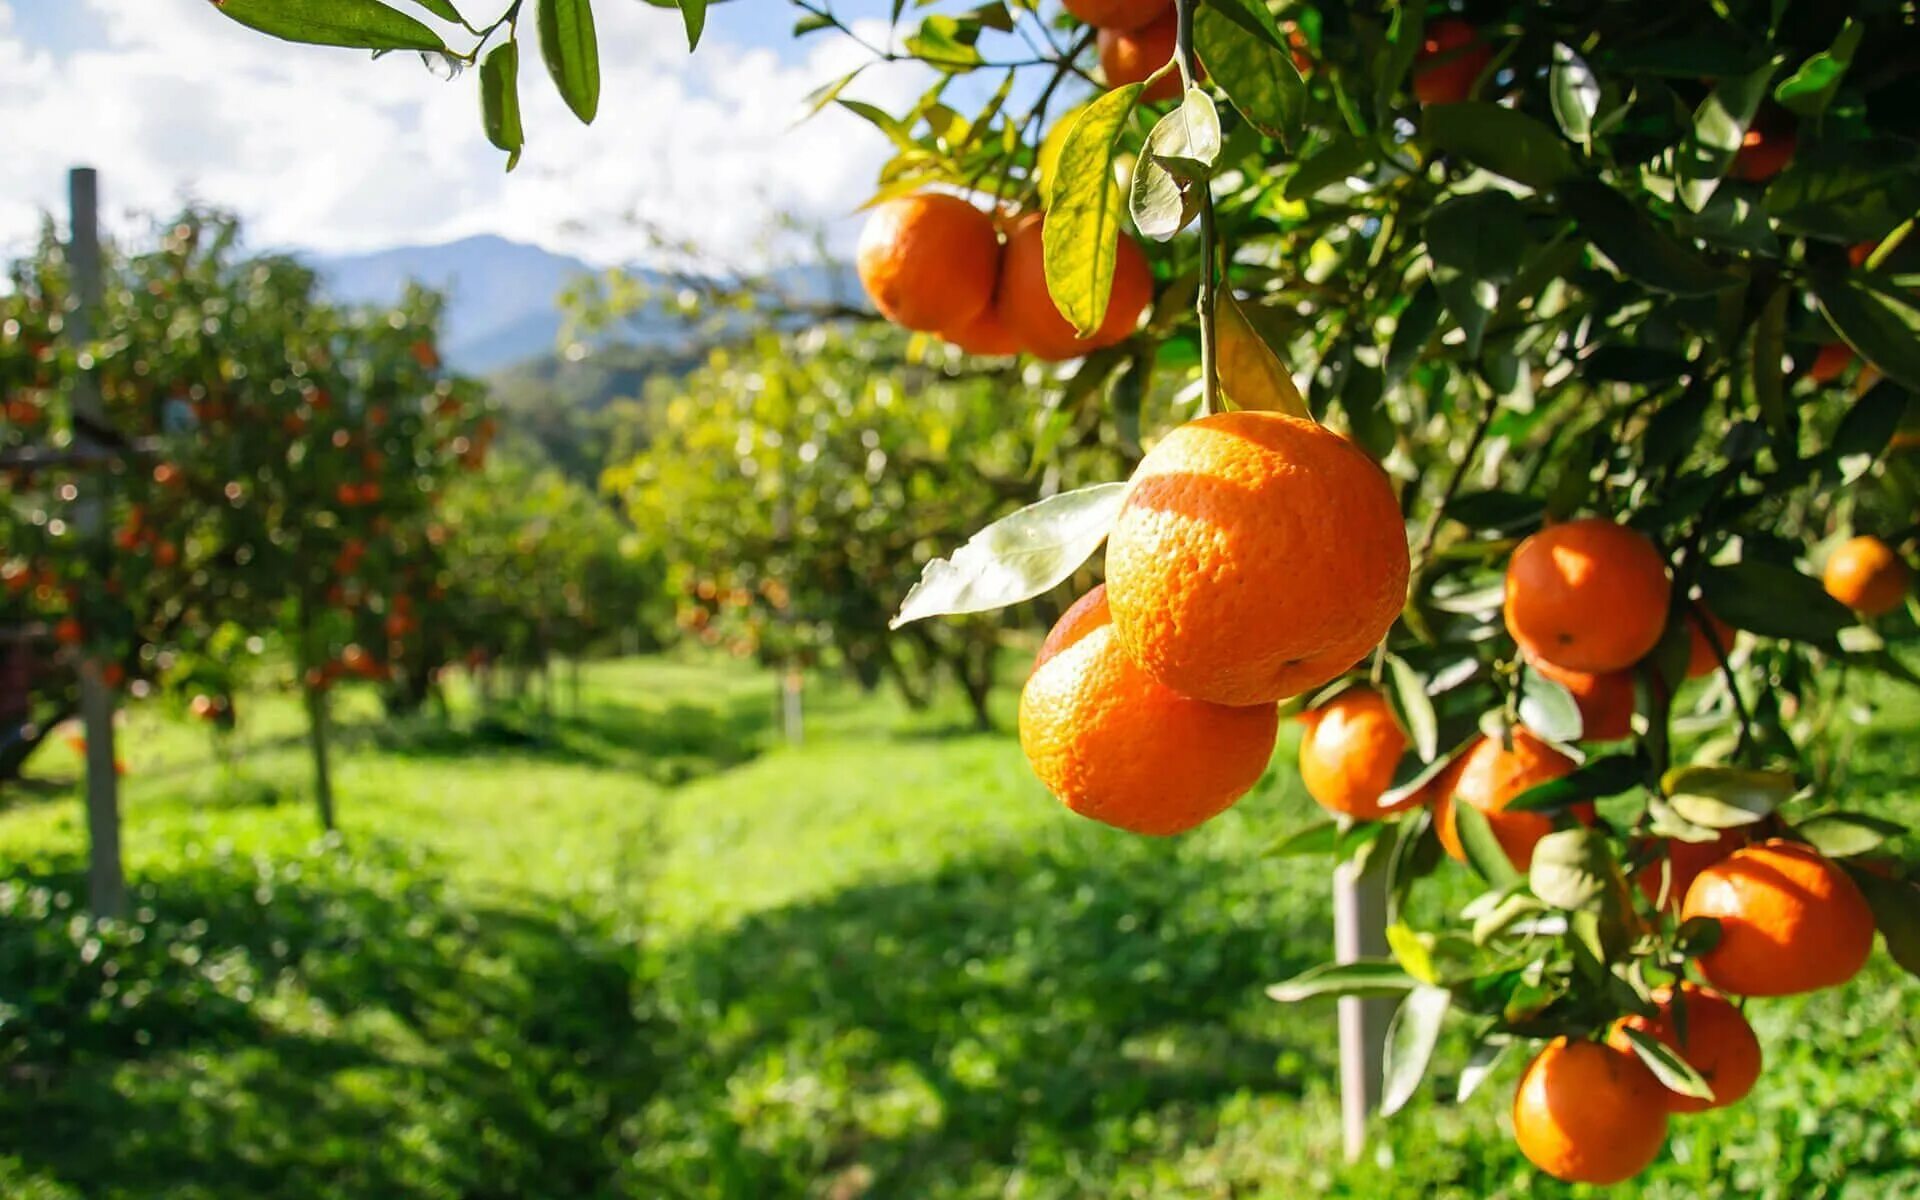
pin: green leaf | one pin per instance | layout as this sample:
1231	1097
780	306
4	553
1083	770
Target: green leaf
1719	125
572	51
1251	374
1676	1074
1725	797
1808	91
1884	327
1321	837
1574	92
1774	601
356	24
1641	250
1081	233
443	9
1896	910
1411	1037
1017	557
830	91
946	44
1483	1062
1501	140
1548	708
1482	235
1415	708
1248	60
1413	330
1847	191
1847	834
1868	428
1412	950
1595	779
1171	175
693	14
500	100
1336	161
1573	869
1769	372
1362	977
1483	850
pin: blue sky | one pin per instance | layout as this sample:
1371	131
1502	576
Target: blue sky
322	148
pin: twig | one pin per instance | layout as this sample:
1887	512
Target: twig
1207	301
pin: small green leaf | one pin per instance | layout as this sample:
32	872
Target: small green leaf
1081	233
356	24
1171	175
830	91
1719	125
500	100
1573	869
1896	910
1847	191
1483	850
1502	140
1362	977
1847	834
1769	370
1574	92
1676	1074
1247	59
1808	91
1595	779
1336	161
693	14
1412	330
1883	326
1415	708
1725	797
1411	1037
1548	708
1774	601
1641	250
1483	1062
572	52
1017	557
443	9
1321	837
1868	427
946	43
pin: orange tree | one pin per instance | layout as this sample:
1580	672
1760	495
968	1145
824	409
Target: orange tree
1616	299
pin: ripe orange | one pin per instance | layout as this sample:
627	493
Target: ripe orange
68	632
1130	56
1763	154
1588	595
1605	700
1115	745
1027	310
928	261
1450	59
1718	1043
1490	776
1589	1113
1830	363
1351	749
1255	556
1680	864
1701	659
1867	576
1790	921
986	335
1118	14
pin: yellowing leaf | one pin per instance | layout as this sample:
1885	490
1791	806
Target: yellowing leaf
1251	374
1082	232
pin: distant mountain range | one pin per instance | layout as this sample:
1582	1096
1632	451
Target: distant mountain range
502	296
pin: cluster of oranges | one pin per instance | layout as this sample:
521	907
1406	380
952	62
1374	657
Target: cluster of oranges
934	263
1135	38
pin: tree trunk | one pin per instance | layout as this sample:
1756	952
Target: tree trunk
914	695
317	737
973	666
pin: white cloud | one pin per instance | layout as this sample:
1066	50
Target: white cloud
322	149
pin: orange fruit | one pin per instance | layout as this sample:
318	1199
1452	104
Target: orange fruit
1589	1113
1115	745
928	261
1027	310
1718	1043
1118	14
1701	659
1350	752
1255	556
1450	59
1830	363
1605	700
1131	55
986	335
1867	576
1681	863
1589	595
1762	155
1490	776
1791	921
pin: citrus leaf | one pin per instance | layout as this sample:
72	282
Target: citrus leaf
1848	191
693	14
1641	250
1321	837
1573	869
1411	950
1171	175
1246	59
1017	557
1719	125
1593	780
500	100
1484	1061
1574	92
1362	977
1774	601
1411	1036
1080	236
443	9
1483	850
1725	797
356	24
572	52
1415	707
1846	834
1251	374
1503	141
1883	327
1412	330
1809	90
1548	708
1676	1074
1896	910
1338	160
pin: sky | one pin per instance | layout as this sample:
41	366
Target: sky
322	149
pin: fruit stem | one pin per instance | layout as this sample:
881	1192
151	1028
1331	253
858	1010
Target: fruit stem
1889	244
1209	236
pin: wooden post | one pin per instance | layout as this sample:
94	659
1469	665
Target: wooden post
106	878
1360	931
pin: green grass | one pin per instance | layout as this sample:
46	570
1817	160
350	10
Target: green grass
648	951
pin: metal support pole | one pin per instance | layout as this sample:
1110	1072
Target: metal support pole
106	878
1360	931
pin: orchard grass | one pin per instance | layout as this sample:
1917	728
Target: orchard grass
641	948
